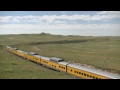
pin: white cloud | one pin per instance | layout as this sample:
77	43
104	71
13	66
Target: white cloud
81	29
105	15
5	18
109	12
64	12
61	26
58	22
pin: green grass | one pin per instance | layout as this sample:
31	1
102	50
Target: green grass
13	67
101	52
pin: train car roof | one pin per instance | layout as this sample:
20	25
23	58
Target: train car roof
15	48
38	56
56	59
92	70
19	50
33	53
45	58
9	47
63	63
22	51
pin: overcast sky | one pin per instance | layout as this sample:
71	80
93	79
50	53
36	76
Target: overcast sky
84	23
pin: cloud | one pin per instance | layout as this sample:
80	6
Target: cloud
59	23
64	29
5	18
110	12
64	12
48	19
59	27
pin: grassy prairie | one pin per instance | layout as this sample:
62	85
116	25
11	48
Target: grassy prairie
14	67
101	52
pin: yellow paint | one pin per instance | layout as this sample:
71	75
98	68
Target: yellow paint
83	74
55	65
44	62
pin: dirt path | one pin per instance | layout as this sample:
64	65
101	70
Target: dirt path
36	48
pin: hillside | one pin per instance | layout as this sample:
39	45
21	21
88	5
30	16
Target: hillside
100	52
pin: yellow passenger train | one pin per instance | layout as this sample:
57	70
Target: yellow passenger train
60	65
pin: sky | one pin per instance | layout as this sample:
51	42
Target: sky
83	23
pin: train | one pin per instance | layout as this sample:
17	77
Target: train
61	65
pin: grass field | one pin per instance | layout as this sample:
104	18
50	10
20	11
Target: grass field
14	67
100	52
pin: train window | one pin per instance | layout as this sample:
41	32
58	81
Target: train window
87	75
71	70
84	74
59	66
64	67
96	77
93	77
75	71
90	76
